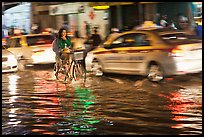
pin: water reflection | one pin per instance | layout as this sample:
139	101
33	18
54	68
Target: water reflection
11	110
186	108
62	108
12	91
33	103
83	116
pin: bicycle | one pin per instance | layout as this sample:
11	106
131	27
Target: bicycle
68	71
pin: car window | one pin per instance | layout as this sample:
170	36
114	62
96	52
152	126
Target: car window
11	42
117	42
173	38
39	40
132	40
141	39
18	42
124	41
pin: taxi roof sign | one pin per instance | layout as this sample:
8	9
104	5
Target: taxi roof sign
148	25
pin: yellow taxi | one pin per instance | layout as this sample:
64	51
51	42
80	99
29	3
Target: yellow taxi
34	48
154	52
9	61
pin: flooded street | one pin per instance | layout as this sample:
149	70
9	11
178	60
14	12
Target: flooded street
34	103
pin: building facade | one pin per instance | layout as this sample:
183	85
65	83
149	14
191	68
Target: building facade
118	14
75	14
18	17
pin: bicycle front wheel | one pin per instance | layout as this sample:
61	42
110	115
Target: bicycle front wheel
79	72
60	73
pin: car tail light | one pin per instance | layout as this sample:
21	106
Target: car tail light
176	52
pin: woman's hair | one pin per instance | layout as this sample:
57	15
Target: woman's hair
59	34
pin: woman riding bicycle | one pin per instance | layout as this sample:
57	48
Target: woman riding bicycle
61	43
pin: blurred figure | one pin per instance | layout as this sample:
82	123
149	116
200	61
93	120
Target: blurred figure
54	33
77	42
199	27
157	19
182	22
93	42
172	25
87	28
35	28
184	25
96	38
163	21
66	26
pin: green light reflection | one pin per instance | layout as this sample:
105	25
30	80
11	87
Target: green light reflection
82	116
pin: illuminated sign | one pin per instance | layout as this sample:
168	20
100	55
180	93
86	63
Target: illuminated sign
67	8
92	4
150	2
197	3
101	7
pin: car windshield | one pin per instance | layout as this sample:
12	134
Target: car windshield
39	40
175	38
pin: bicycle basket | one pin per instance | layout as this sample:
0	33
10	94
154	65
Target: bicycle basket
78	55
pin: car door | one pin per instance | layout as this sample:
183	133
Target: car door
111	59
19	48
135	51
15	47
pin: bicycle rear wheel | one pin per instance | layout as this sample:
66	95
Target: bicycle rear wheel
79	72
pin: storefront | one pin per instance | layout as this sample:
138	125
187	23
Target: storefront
74	15
120	14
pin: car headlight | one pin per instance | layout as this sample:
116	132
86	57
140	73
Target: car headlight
12	59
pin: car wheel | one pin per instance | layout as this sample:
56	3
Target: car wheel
155	73
97	68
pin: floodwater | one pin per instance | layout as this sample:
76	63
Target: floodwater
34	103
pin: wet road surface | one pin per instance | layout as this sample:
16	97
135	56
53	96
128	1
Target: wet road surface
34	103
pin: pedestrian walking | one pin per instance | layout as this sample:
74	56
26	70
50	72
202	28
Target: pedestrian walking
96	38
93	41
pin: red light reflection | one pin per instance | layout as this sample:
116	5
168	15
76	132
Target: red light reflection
182	103
47	95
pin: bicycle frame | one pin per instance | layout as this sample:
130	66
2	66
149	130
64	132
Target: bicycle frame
74	69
